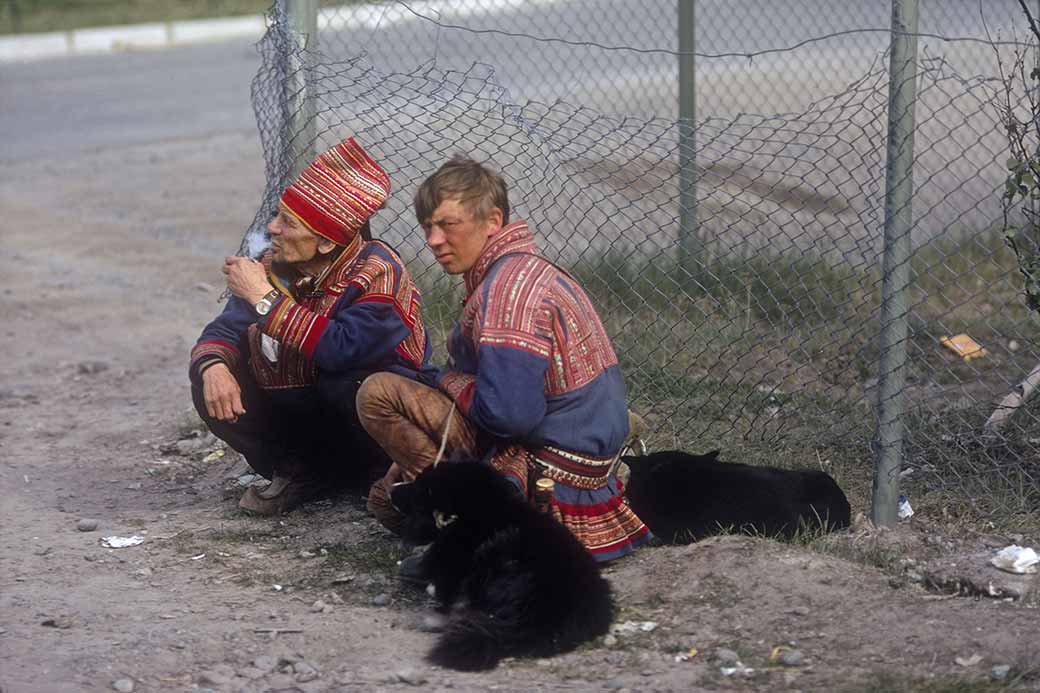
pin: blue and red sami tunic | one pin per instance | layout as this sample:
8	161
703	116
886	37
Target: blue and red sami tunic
360	314
533	366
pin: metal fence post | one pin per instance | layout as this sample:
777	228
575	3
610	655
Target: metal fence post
689	240
302	18
899	188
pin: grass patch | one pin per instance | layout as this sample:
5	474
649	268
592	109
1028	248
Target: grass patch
28	16
871	551
371	556
893	683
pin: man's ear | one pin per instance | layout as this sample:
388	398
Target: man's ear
325	246
493	222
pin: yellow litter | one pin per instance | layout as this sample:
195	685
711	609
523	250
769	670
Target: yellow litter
686	656
964	346
214	456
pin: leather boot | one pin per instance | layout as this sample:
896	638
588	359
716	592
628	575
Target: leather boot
287	490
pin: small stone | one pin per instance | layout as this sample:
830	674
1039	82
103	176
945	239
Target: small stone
87	525
725	657
615	658
791	658
265	663
91	367
123	685
799	611
318	606
247	480
305	671
433	623
185	447
410	676
614	685
1000	672
609	640
60	622
381	599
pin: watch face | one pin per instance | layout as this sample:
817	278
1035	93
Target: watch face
262	306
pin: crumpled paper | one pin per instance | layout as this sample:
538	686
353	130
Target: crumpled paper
1016	559
114	542
629	627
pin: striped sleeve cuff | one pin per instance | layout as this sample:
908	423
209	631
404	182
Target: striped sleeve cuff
209	351
460	387
295	326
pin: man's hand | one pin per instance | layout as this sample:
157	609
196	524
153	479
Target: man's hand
222	394
246	278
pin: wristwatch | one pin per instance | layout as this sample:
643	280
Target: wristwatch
263	306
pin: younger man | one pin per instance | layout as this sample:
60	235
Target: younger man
533	376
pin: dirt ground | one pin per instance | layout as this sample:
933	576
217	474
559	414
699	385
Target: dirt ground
110	267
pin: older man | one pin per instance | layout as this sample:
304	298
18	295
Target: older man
534	380
276	374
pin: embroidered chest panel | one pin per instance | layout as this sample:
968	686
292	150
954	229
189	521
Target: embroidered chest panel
529	305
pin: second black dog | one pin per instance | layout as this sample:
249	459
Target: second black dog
683	497
514	581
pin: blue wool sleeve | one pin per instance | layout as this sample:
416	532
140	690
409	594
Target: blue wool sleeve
509	397
231	325
360	336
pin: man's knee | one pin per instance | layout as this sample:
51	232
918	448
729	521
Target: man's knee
375	394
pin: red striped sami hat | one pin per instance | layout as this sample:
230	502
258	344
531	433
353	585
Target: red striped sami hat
338	192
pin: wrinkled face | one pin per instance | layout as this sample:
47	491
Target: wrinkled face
291	242
456	237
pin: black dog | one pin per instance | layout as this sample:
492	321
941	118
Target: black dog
520	582
683	497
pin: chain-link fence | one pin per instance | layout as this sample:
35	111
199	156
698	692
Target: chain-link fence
767	339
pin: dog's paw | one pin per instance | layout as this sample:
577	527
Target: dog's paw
431	590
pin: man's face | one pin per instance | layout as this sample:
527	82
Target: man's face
455	237
291	242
